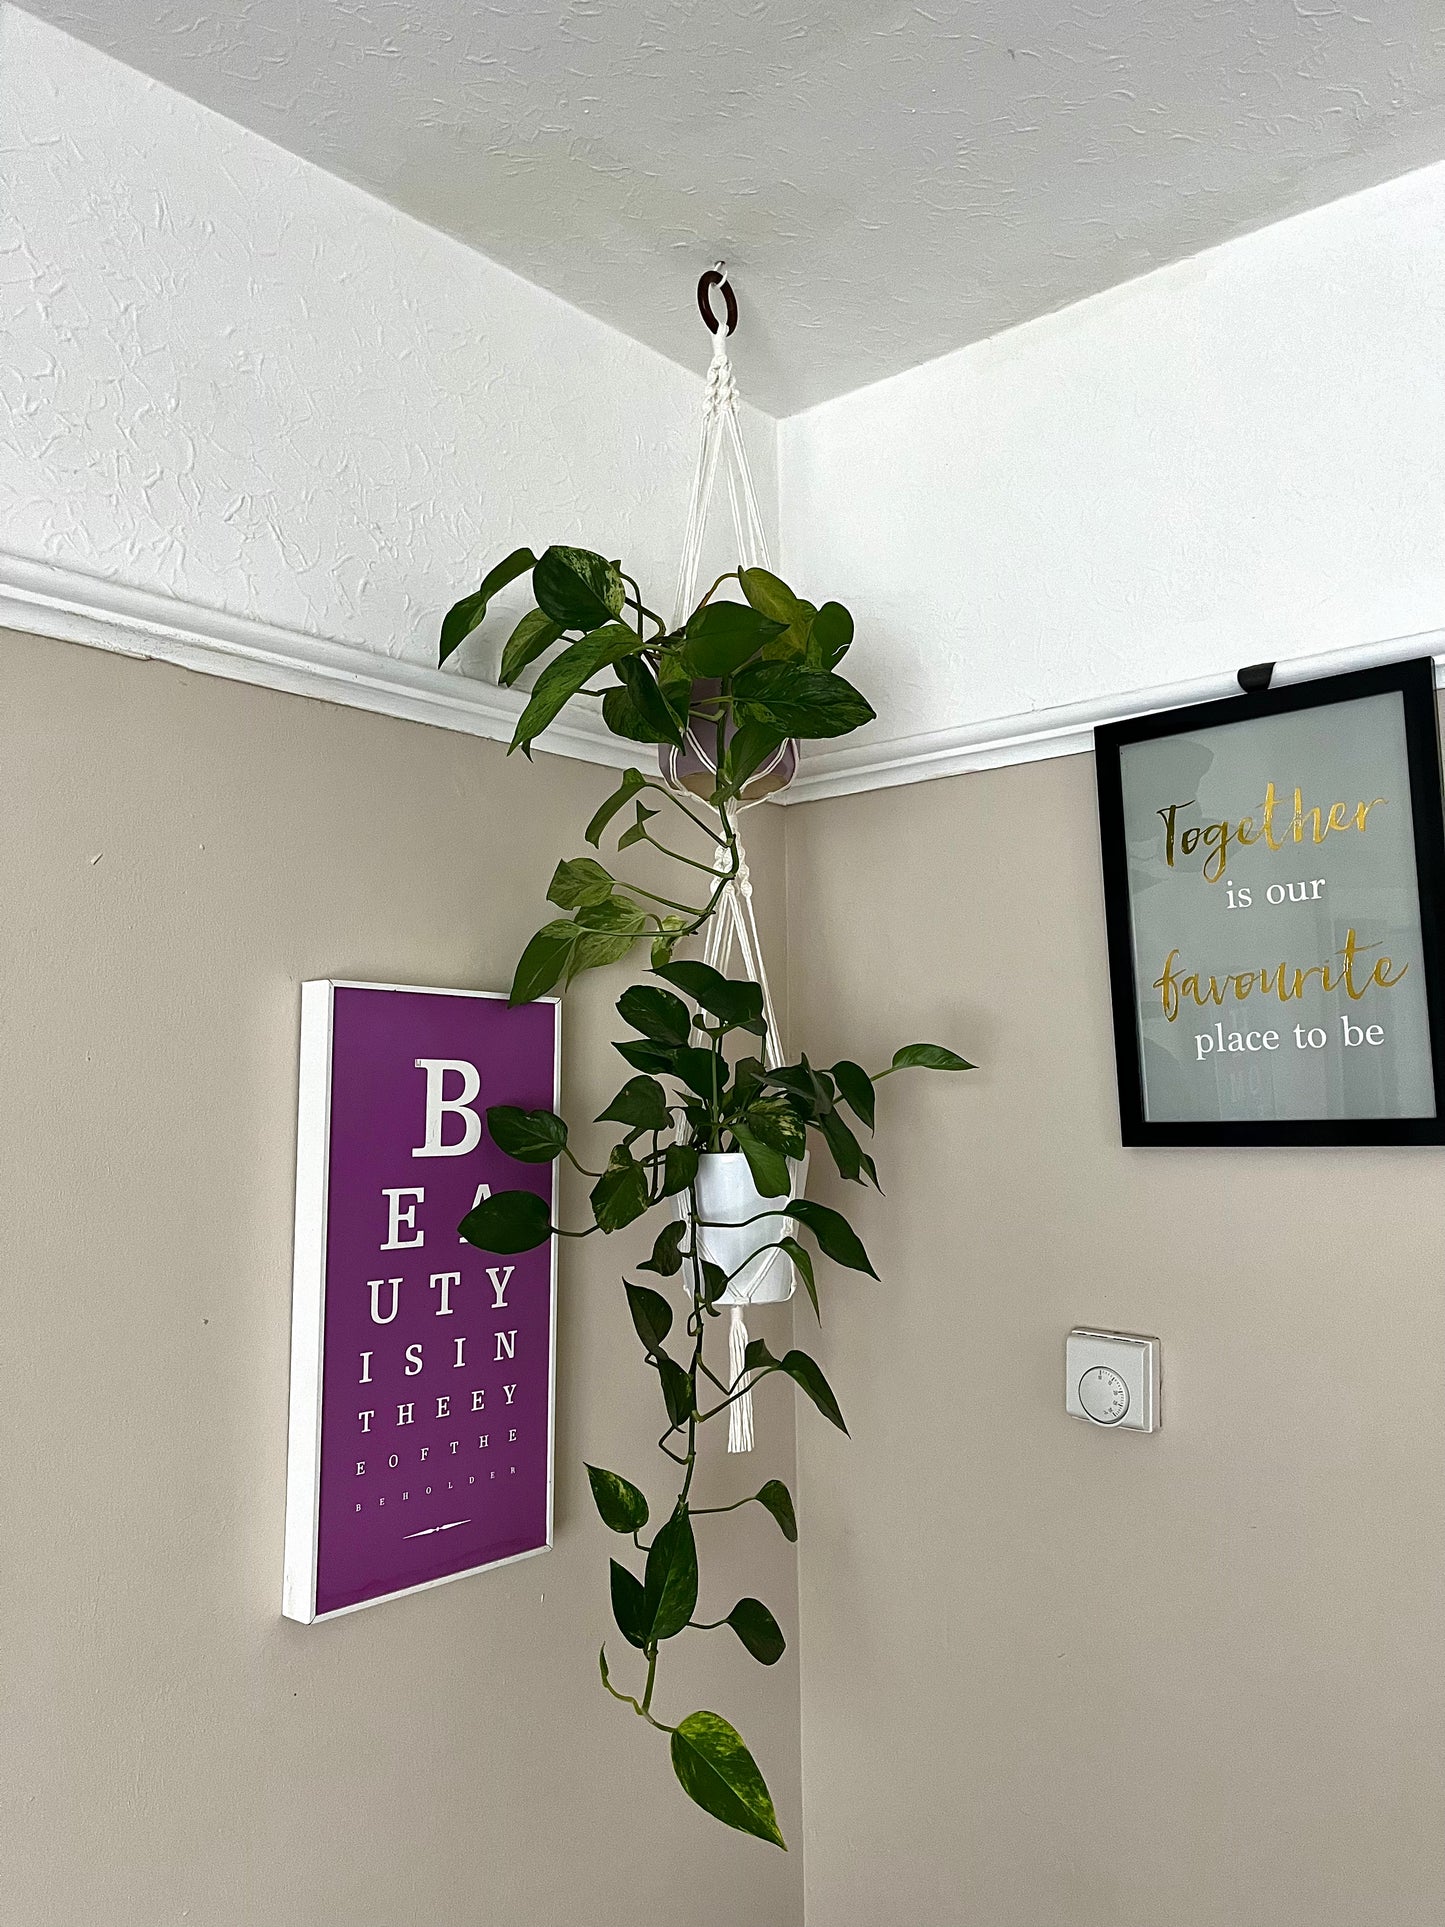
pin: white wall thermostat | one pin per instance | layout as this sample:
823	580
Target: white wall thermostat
1112	1378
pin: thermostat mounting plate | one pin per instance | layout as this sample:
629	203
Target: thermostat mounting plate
1112	1379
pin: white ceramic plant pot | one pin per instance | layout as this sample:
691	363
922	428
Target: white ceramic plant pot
727	1198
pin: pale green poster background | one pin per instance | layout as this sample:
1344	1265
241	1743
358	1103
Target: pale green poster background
1260	921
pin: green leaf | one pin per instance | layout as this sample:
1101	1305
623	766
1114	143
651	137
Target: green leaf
717	1771
836	1237
857	1088
928	1057
769	1167
645	1056
811	1091
532	637
748	1078
510	1221
758	1630
697	1067
464	616
776	1497
560	681
804	1373
803	1265
620	1194
632	781
620	1505
666	1259
776	1123
656	1013
848	1154
596	948
576	588
579	880
544	962
617	913
722	636
831	636
771	596
649	701
714	1283
679	1168
532	1137
733	1001
625	719
674	678
629	1606
749	748
671	1582
778	600
662	944
676	1389
651	1317
642	1103
799	701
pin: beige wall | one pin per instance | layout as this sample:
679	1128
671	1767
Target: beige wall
178	854
1059	1678
1051	1677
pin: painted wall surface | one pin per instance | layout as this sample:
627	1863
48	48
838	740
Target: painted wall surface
1052	1674
1230	460
178	855
230	377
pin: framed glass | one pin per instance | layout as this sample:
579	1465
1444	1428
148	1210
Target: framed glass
1273	871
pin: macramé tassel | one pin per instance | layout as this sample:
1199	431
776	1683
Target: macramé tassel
740	1412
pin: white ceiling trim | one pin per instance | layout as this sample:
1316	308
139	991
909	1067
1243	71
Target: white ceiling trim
46	599
49	600
1065	731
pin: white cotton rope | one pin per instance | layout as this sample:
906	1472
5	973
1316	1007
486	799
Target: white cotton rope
720	433
734	922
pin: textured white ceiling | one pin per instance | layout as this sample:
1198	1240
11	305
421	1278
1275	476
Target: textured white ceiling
887	181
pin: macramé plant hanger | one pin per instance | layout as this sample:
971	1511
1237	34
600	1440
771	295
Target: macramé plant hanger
733	1234
713	1130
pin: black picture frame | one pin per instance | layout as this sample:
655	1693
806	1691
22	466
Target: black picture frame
1414	682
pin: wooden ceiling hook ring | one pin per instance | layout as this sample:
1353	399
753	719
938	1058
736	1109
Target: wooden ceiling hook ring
717	278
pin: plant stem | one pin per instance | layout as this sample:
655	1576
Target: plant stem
733	575
762	1372
677	855
637	890
716	1224
691	816
641	1706
641	607
651	1677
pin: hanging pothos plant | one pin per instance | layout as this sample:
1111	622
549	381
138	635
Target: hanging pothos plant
748	676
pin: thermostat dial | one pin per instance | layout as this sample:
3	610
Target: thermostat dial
1112	1379
1103	1395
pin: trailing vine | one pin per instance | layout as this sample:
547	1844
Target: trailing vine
751	674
